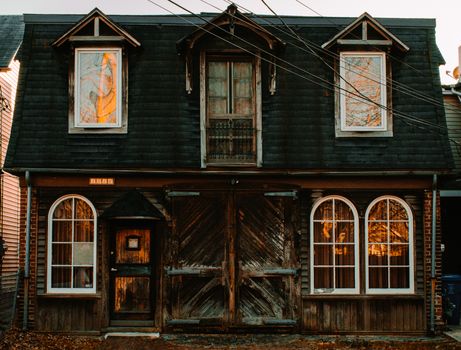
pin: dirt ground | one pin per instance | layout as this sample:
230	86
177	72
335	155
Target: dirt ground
19	340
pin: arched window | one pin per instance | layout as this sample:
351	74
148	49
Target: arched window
389	246
334	246
71	263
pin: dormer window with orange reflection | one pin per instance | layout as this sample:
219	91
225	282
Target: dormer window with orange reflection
98	88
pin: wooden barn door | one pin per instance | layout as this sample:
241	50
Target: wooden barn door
265	225
233	262
131	274
198	287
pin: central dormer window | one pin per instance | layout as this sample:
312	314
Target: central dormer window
230	110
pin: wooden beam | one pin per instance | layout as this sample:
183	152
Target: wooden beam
96	38
364	42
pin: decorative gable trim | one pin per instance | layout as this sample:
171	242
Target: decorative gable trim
95	18
229	20
366	22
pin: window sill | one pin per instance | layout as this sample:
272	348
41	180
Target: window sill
81	296
363	296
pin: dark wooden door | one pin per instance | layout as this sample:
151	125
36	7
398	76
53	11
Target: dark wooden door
198	287
131	274
266	275
232	260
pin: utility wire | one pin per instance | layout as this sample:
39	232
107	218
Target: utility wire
352	95
397	86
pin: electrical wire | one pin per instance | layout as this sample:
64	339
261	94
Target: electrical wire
351	95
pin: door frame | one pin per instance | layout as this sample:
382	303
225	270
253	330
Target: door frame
114	226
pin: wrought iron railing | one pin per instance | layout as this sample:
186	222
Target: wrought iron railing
231	141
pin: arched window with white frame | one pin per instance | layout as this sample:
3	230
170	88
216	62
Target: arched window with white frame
72	243
389	246
334	247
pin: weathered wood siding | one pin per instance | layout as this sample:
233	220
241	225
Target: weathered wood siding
9	185
453	117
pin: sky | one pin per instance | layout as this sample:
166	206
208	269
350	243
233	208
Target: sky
446	12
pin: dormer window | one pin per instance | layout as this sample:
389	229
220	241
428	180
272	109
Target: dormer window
229	50
98	95
363	101
98	77
364	92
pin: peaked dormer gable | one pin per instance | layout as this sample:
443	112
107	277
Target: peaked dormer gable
229	22
366	31
96	27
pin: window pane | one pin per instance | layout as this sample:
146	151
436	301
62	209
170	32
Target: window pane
98	87
61	254
324	211
397	211
398	232
377	277
399	254
345	232
377	232
323	254
62	231
343	211
83	277
84	231
83	253
378	211
377	254
345	277
323	232
400	277
323	277
344	254
61	277
82	210
217	105
363	74
63	210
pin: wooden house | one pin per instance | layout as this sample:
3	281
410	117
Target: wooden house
11	31
450	187
230	172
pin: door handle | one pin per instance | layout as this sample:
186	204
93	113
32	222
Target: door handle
113	269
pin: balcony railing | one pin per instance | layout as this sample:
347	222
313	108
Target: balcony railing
231	141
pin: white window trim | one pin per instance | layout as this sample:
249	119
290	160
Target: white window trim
321	291
344	86
203	110
411	288
119	111
50	289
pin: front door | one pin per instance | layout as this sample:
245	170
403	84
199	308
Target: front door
131	274
233	260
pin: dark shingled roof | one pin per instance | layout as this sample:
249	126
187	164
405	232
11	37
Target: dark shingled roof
298	128
11	32
132	205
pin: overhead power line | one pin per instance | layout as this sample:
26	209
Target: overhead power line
324	83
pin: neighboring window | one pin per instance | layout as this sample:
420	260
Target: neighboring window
334	246
389	246
98	88
231	121
72	246
363	91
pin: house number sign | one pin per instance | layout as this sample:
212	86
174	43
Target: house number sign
102	181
